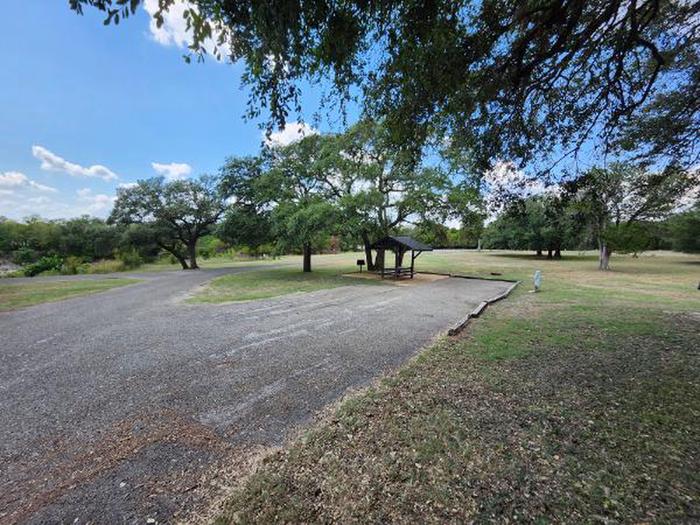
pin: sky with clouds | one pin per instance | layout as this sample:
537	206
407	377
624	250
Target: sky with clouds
85	109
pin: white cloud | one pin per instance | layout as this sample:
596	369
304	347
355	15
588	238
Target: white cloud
173	31
39	200
127	185
292	132
172	171
96	204
692	195
12	178
505	182
18	204
101	202
15	179
507	179
41	187
52	162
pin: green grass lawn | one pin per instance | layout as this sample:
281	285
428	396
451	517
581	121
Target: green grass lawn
580	403
260	284
13	296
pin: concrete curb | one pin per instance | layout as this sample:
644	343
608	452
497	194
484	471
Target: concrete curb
459	276
476	312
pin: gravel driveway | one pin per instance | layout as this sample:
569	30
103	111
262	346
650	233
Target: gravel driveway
124	405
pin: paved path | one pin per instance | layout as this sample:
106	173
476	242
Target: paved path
117	407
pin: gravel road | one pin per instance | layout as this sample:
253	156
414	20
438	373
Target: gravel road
124	405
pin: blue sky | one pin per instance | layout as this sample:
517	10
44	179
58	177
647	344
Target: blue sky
84	108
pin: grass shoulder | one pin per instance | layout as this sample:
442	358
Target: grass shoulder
20	295
578	403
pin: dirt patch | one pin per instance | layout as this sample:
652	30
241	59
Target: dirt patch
418	278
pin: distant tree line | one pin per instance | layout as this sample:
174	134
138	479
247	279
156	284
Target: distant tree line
65	246
622	208
353	187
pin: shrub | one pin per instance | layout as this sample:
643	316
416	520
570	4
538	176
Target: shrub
52	271
210	246
24	255
73	265
106	266
268	250
45	264
130	259
261	251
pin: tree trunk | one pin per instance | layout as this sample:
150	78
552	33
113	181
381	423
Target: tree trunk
399	257
379	260
192	251
368	252
175	253
307	257
539	252
557	253
604	258
549	253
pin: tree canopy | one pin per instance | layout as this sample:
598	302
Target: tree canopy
616	199
501	78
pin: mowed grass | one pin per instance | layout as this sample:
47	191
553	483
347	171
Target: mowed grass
261	284
580	403
14	296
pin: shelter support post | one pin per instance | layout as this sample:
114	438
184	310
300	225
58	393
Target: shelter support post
414	256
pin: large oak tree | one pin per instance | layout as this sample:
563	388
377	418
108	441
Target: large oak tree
507	79
283	193
380	188
176	213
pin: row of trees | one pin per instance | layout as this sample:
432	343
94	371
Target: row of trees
357	187
532	82
623	208
352	185
525	81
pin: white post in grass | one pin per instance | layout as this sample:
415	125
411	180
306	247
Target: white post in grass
537	279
